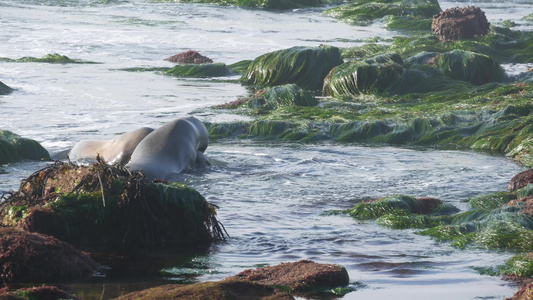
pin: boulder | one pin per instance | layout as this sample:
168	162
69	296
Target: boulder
304	66
34	257
521	180
199	70
460	24
107	208
14	148
300	276
189	57
39	292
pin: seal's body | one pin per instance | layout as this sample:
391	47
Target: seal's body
170	149
113	151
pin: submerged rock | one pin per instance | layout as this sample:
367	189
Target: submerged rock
460	24
14	148
4	89
199	70
189	57
49	58
104	207
34	257
276	282
267	4
304	66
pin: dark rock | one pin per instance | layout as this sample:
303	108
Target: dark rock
4	89
34	257
521	180
189	57
460	24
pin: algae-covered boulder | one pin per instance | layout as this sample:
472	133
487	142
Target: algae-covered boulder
364	12
460	23
304	66
33	257
469	66
14	148
4	89
189	57
372	76
54	58
199	70
106	207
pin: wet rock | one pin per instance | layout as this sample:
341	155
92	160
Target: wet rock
189	57
41	293
304	66
226	289
521	180
524	293
14	148
460	24
199	70
299	276
34	257
102	207
4	89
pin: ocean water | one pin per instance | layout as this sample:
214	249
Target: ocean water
271	196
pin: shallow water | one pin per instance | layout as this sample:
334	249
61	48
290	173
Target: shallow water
271	196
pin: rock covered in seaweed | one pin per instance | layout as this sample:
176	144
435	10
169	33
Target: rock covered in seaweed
14	148
372	76
460	24
469	66
189	57
108	208
304	66
199	70
34	257
38	292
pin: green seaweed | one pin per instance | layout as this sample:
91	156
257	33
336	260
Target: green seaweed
14	148
304	66
239	67
199	70
525	191
491	201
49	58
267	4
365	12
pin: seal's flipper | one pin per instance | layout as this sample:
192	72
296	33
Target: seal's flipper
201	159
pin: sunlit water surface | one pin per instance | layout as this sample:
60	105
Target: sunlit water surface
271	196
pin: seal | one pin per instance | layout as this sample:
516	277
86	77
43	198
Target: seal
115	151
171	148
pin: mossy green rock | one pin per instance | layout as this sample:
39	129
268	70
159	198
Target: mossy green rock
49	58
373	76
283	95
14	148
364	12
4	89
469	66
104	207
304	66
